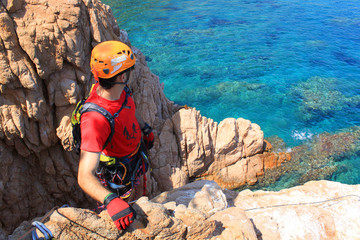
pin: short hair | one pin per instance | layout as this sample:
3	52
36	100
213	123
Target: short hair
108	83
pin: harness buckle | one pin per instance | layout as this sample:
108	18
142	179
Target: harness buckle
108	161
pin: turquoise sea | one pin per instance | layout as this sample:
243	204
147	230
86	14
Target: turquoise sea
291	66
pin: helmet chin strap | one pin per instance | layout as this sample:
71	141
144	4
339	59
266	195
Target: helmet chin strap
116	82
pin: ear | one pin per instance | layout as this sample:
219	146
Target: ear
121	78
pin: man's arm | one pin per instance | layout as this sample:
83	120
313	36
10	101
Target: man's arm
86	176
120	212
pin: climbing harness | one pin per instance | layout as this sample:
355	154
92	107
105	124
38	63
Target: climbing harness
122	174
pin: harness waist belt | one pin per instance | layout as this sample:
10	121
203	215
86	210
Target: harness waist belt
108	161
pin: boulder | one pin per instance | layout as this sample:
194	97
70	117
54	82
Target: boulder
316	210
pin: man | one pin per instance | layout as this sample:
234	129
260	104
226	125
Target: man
119	161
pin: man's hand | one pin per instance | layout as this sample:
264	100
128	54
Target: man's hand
120	212
148	136
149	140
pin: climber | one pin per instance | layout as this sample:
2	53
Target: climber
113	159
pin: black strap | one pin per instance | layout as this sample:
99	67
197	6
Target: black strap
90	106
123	213
127	90
93	107
109	198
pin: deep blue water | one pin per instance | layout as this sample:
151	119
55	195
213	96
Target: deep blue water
293	66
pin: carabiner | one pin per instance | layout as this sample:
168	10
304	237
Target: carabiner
115	186
43	229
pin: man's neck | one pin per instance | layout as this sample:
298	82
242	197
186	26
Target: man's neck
111	94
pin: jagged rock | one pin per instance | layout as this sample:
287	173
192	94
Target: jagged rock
273	160
234	225
153	221
316	210
44	51
205	196
221	152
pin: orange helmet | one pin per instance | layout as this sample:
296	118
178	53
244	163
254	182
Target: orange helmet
110	58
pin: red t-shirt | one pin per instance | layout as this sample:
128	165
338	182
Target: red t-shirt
95	128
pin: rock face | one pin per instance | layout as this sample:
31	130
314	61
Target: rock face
316	210
201	147
44	57
201	210
44	53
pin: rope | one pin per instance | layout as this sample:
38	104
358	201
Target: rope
144	177
309	203
72	221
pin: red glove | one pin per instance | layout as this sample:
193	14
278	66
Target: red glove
149	140
148	136
120	212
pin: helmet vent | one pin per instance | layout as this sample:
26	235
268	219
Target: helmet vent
128	52
101	61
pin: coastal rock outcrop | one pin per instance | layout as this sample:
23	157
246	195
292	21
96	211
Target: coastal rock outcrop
201	147
44	57
201	210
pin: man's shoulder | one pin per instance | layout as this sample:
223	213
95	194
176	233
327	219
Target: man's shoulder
93	115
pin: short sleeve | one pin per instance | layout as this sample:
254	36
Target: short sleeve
95	129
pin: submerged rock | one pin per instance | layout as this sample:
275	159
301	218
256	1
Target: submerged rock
320	158
319	98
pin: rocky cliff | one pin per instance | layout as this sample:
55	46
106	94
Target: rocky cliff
201	210
44	58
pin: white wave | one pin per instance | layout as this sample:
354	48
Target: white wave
302	135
